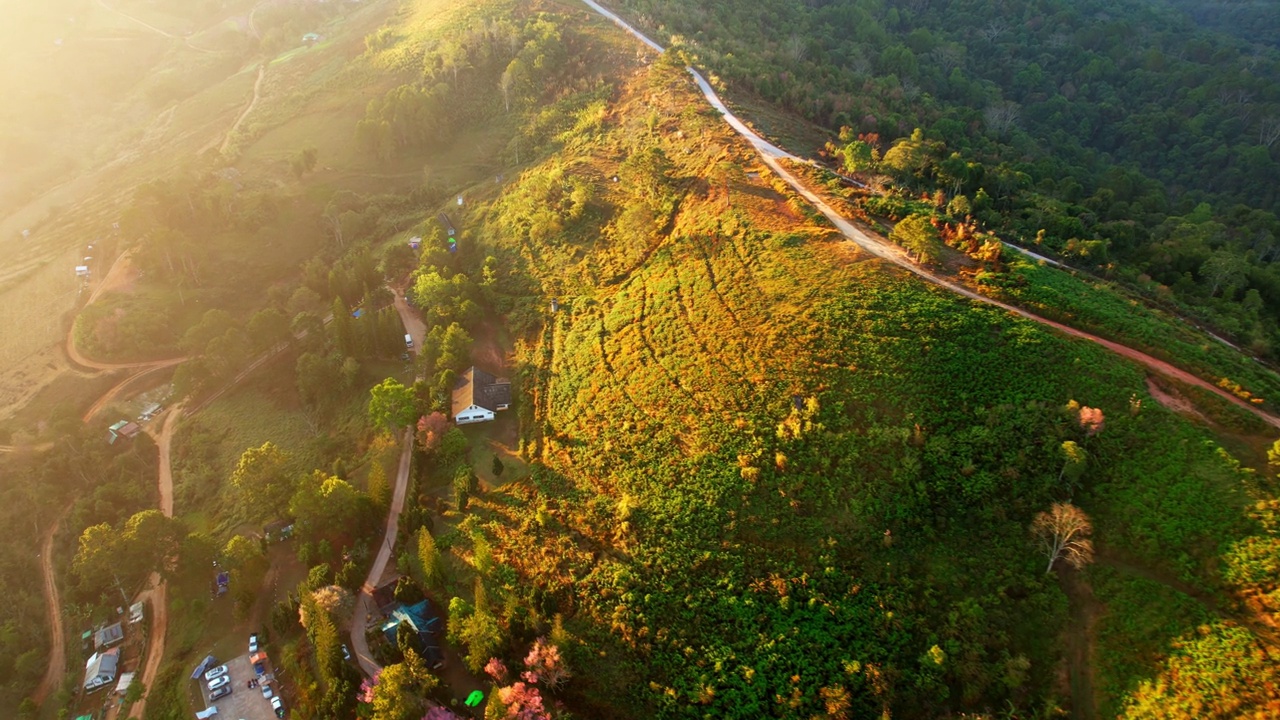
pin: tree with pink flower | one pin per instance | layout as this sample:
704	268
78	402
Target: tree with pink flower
497	670
522	702
546	665
1091	420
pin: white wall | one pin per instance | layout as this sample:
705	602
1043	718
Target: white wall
473	414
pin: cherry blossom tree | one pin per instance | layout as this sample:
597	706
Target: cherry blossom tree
497	670
523	702
1091	420
545	665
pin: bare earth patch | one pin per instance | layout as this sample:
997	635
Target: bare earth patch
1173	401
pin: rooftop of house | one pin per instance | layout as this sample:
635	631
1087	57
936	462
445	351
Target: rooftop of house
479	388
108	636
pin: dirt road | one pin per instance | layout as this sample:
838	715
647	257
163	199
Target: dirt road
157	593
364	603
253	102
57	667
881	248
413	325
153	28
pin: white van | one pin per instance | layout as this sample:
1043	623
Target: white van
408	341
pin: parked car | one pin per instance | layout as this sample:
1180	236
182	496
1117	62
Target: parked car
216	672
267	691
219	681
253	643
278	705
221	692
346	654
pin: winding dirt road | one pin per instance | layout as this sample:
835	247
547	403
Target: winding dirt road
257	94
414	326
157	592
364	603
57	667
881	248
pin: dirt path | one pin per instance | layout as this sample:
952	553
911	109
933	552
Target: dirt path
772	156
116	277
153	28
413	325
257	94
1079	635
364	603
157	592
1257	623
57	668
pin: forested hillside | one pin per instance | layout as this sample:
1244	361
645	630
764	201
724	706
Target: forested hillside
1253	20
1119	134
772	478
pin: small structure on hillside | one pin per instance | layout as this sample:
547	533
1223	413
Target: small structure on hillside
420	617
384	598
278	530
123	429
100	671
448	224
108	637
126	679
205	664
477	396
137	612
82	271
415	242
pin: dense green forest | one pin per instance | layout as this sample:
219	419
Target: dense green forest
1120	135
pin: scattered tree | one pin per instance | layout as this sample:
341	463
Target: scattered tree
1063	532
391	405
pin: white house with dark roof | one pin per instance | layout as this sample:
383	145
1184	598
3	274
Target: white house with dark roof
478	396
100	671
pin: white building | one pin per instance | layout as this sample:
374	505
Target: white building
100	671
477	396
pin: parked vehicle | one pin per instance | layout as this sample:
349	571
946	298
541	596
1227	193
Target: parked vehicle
408	341
253	643
216	672
267	692
346	654
278	705
221	692
220	681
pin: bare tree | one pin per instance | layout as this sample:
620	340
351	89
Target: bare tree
505	84
1269	130
1064	532
947	57
1002	117
993	30
795	48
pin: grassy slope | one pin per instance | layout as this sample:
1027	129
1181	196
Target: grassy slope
664	509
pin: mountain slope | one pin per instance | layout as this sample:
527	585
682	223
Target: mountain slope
776	476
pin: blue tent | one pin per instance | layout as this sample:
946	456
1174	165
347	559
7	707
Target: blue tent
205	665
